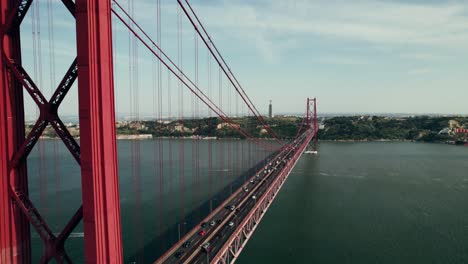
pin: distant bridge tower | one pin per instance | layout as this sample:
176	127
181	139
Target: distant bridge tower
311	122
270	110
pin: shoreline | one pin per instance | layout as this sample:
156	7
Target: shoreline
369	140
150	137
138	137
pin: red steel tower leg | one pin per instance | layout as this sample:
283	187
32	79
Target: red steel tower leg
101	206
100	210
15	241
315	124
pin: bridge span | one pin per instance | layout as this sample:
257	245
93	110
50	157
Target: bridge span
223	234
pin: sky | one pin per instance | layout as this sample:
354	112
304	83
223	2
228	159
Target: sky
361	56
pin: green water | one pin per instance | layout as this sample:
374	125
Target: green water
369	203
354	203
159	200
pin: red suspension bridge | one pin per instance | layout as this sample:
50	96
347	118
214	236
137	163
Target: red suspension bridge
169	199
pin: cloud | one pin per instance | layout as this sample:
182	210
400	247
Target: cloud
370	22
421	71
336	60
427	56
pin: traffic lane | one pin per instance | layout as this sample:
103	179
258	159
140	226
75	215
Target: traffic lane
195	239
223	214
271	176
237	219
217	242
198	249
180	252
280	161
245	210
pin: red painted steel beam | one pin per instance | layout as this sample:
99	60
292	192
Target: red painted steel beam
17	12
70	6
100	185
15	240
48	110
315	124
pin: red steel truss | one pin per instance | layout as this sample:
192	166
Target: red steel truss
236	243
93	67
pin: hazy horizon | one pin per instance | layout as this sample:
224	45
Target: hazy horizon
149	117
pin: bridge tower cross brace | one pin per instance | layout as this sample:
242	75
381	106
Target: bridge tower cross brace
97	154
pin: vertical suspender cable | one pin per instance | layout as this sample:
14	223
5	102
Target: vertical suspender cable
194	180
228	142
197	127
197	114
181	121
132	147
237	165
37	57
136	105
180	74
135	144
169	144
210	142
160	100
52	77
132	151
230	76
159	119
221	142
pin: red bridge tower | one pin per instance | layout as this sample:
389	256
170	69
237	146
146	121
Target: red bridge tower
96	153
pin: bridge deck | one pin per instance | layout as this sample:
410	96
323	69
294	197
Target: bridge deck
221	235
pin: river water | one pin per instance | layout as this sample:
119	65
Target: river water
353	203
369	203
160	201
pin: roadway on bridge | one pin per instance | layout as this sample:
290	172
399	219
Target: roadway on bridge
222	223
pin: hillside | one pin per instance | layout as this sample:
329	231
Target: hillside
419	128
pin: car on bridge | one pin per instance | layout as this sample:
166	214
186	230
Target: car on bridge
206	247
178	254
187	244
202	233
230	207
